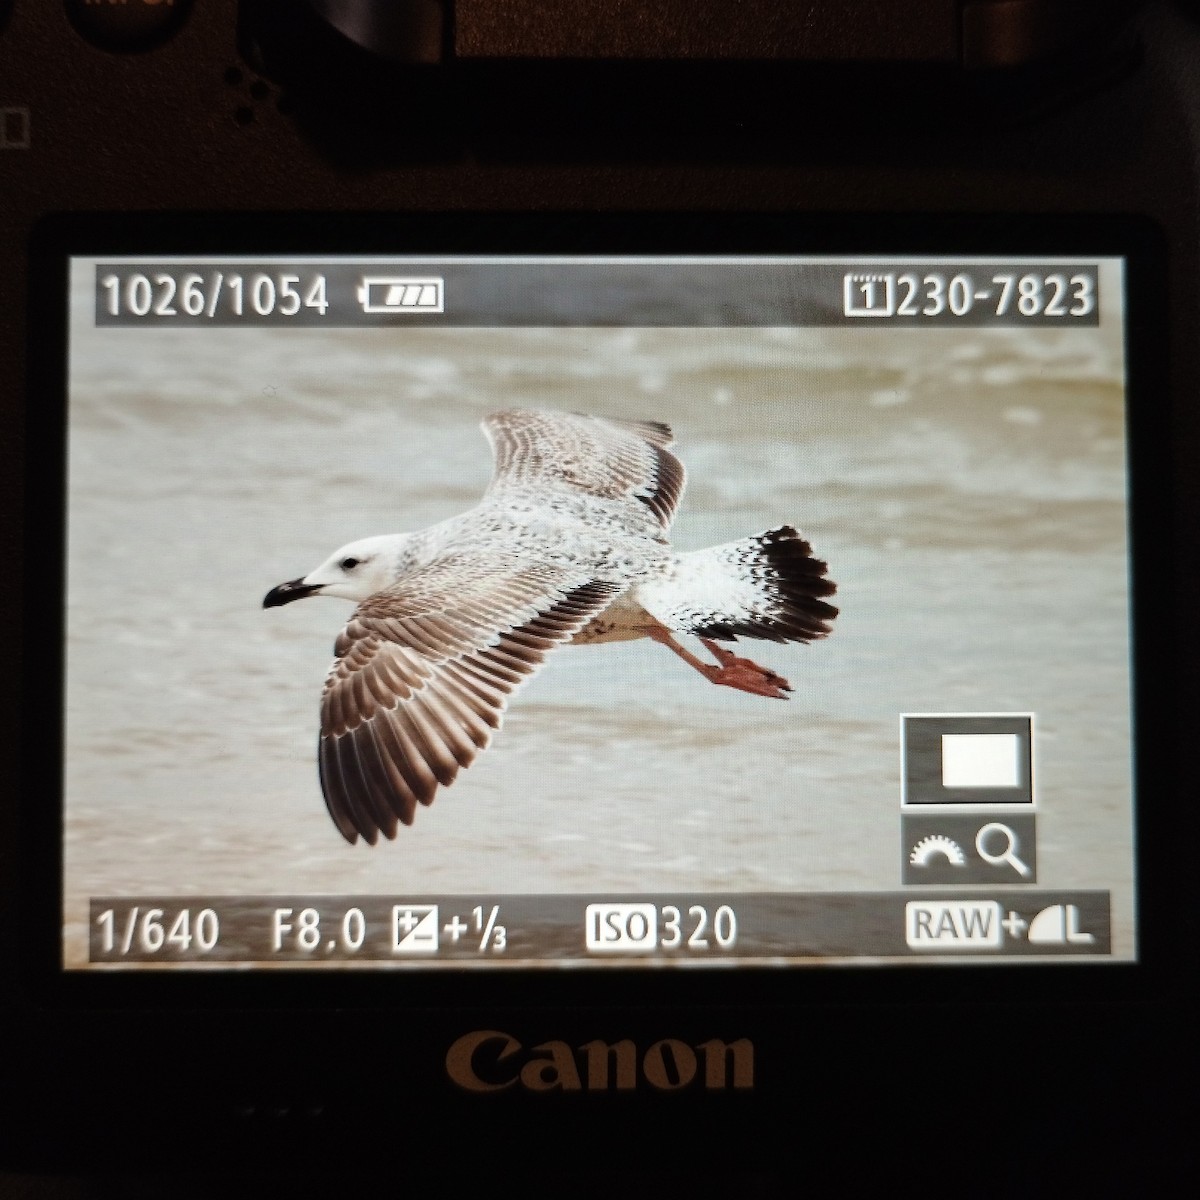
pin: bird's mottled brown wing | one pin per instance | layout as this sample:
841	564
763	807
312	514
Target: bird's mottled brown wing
597	456
422	674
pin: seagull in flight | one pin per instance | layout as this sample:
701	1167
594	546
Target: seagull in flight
568	545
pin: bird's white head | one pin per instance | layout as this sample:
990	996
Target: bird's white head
353	572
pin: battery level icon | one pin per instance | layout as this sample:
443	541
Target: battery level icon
402	294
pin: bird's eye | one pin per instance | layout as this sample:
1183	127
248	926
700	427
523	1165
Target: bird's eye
348	564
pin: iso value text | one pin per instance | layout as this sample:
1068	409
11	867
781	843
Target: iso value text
641	928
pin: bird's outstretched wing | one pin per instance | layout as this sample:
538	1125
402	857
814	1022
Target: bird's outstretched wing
597	456
422	673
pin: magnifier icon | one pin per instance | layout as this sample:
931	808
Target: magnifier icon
1008	855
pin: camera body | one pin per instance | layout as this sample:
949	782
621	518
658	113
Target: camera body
438	130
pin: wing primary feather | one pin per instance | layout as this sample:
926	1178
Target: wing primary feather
375	779
496	666
445	726
332	792
391	790
493	682
420	784
486	703
433	751
358	788
345	789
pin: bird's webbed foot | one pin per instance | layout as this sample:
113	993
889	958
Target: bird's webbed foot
743	674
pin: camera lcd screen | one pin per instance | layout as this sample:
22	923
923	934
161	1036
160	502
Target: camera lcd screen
491	612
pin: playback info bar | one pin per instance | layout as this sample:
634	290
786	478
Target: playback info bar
612	292
500	930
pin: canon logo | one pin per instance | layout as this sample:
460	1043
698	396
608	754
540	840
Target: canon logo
486	1060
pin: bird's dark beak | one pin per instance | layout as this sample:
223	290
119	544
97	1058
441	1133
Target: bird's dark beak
285	593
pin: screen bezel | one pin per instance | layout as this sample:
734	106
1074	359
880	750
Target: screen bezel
61	236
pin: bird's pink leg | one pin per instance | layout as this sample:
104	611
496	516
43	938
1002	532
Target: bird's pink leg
732	671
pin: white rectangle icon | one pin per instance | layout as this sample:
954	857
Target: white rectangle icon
414	928
953	925
621	928
402	294
980	760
